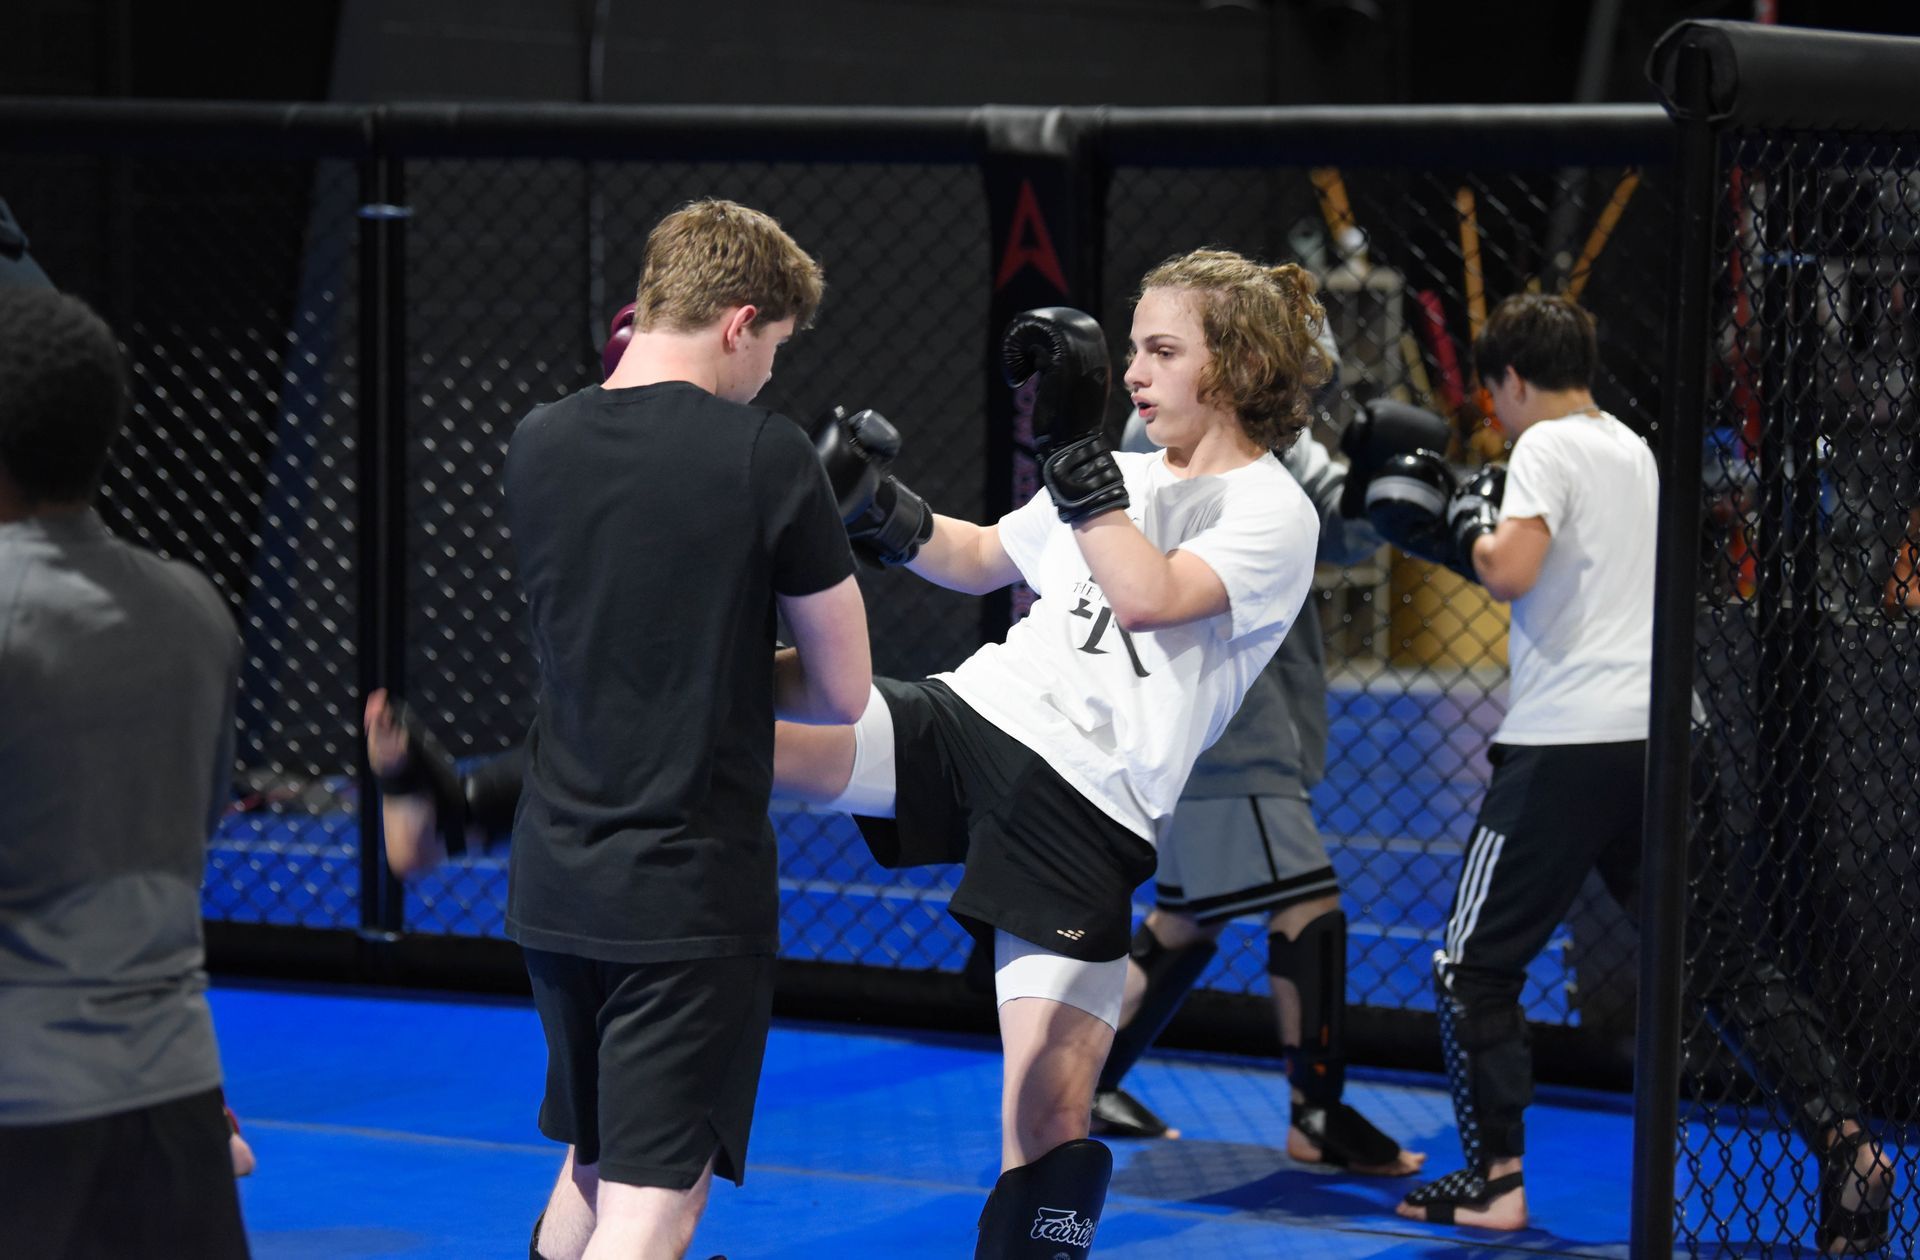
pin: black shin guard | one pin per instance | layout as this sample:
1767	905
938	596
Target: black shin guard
1315	963
1490	1071
1170	973
1048	1209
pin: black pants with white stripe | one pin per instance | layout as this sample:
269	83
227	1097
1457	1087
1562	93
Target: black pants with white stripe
1550	815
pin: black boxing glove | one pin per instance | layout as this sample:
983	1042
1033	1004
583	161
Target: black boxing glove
1067	351
886	522
893	527
1407	501
618	335
1473	511
1381	429
855	450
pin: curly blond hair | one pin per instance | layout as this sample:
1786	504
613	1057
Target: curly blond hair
1263	326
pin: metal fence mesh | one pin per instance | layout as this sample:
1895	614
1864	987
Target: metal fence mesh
514	313
238	298
1803	834
231	286
1409	261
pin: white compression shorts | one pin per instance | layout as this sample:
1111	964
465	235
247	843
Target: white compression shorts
870	789
1023	969
1020	968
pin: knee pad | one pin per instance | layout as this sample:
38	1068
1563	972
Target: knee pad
533	1243
1049	1208
1171	974
1315	963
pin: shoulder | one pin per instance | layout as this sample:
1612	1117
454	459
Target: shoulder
774	434
1268	480
179	587
544	418
195	589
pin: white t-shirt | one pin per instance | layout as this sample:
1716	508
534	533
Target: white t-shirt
1581	645
1123	717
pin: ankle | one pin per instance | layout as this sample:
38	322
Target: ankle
1501	1167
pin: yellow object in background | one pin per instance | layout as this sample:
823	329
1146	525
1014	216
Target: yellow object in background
1441	620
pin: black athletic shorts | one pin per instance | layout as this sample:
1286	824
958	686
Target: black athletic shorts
155	1181
652	1068
1044	863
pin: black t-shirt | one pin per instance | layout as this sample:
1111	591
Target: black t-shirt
653	527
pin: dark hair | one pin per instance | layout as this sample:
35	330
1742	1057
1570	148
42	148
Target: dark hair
1548	340
63	395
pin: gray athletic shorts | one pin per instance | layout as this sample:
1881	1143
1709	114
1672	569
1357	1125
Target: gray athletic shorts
1235	855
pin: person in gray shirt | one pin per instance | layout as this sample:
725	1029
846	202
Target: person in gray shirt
117	678
1243	841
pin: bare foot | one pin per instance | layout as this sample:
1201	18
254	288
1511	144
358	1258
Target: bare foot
1506	1209
1302	1149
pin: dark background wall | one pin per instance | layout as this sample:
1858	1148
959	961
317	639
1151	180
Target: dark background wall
887	52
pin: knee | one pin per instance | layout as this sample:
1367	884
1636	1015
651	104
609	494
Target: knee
1290	921
1174	930
1476	989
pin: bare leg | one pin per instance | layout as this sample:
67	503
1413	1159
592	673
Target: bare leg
568	1223
1052	1057
647	1222
811	763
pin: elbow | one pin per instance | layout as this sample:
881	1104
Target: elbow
1138	618
1502	586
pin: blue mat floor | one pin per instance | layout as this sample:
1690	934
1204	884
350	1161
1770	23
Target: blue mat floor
395	1124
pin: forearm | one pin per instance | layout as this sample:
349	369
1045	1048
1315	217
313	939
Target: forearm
1507	560
1137	578
959	557
795	699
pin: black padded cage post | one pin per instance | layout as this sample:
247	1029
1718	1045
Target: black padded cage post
1777	1003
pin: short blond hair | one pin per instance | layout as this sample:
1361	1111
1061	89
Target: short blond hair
1262	326
712	256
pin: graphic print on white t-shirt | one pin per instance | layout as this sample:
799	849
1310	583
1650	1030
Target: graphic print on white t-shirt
1580	647
1121	715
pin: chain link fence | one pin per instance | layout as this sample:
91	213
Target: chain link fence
1804	840
514	313
237	286
1409	260
231	286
